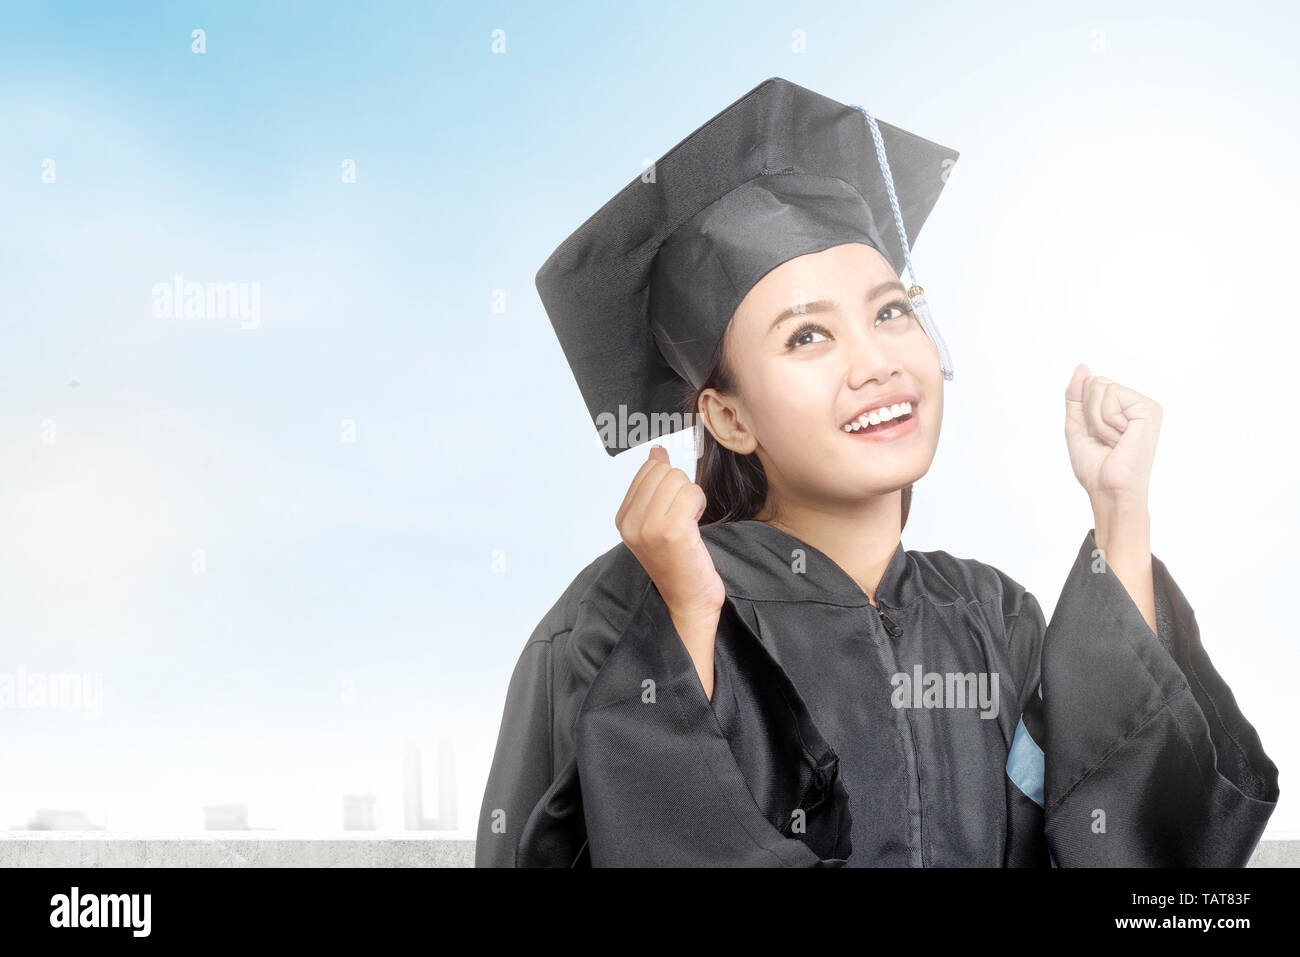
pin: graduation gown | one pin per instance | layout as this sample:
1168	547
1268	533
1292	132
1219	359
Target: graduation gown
838	735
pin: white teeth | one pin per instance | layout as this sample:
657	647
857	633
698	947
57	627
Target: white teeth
883	414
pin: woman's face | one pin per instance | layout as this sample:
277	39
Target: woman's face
818	341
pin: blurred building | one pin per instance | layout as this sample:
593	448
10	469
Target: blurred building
412	790
49	819
225	817
447	817
360	812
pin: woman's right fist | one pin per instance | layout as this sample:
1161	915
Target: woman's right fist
659	522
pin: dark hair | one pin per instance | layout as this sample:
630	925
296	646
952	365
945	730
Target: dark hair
735	486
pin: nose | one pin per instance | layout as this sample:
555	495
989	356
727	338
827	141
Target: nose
870	359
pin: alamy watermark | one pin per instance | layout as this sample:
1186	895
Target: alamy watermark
55	691
946	690
179	299
624	430
128	911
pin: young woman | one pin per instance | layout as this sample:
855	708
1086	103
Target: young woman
761	674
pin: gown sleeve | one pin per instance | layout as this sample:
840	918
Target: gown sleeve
1147	759
531	814
670	778
521	766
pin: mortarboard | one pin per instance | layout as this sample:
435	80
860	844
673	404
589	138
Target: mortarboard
641	293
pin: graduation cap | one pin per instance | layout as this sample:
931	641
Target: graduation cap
641	293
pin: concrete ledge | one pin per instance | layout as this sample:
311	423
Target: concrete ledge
229	849
251	849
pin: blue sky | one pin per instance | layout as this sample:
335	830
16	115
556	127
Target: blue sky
1125	180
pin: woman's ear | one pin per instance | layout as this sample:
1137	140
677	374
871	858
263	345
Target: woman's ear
721	416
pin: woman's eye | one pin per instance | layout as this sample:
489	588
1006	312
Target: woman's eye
804	335
900	309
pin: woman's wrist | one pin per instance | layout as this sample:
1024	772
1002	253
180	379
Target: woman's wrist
1122	530
1121	522
698	632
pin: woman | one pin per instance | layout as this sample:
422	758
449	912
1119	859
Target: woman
785	684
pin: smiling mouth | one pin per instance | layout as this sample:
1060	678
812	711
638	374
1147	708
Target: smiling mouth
906	412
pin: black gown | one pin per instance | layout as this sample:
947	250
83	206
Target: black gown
1104	745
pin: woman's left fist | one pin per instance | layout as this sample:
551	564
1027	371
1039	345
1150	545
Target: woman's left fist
1110	431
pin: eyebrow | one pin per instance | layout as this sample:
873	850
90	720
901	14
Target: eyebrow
823	305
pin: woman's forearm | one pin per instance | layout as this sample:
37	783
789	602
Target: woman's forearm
699	635
1123	533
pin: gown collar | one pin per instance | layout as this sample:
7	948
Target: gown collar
757	561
